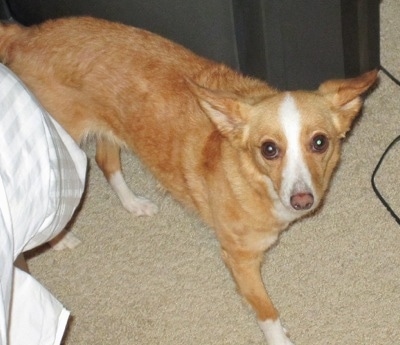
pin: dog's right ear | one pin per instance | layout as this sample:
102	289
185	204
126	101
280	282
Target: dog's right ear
224	109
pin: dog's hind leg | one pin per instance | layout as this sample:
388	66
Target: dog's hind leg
245	268
108	159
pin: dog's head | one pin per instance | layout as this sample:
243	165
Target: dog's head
290	140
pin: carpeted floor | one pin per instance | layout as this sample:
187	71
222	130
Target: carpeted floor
335	277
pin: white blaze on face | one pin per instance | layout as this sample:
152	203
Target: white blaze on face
296	177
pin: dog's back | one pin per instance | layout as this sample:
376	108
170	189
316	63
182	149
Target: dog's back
62	57
59	61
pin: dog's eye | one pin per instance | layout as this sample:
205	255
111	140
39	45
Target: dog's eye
319	143
269	150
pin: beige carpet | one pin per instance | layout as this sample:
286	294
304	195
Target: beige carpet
335	277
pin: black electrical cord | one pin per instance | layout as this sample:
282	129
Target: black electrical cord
378	194
390	75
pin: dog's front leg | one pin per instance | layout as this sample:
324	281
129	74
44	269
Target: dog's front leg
245	268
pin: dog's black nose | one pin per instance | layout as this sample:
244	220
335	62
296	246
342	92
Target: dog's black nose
302	201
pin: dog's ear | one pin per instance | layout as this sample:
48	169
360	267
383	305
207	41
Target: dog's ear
344	95
224	109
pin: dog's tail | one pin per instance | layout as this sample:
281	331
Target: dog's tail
9	33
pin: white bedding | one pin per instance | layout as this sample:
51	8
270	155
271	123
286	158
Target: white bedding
42	174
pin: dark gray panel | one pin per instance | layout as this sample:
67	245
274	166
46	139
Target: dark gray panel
300	43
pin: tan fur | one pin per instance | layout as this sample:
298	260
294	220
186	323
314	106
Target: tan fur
196	124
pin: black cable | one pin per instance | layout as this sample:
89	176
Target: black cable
390	75
378	194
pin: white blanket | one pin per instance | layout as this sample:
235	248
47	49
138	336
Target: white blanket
42	174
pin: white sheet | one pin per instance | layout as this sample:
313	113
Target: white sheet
42	174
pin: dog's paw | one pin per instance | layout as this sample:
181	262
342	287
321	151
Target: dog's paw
65	240
274	333
132	203
140	206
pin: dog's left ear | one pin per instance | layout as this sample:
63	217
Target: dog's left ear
224	109
344	94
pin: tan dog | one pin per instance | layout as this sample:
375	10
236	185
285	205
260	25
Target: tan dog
248	158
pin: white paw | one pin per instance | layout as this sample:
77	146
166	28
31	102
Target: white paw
140	206
134	204
65	240
274	333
